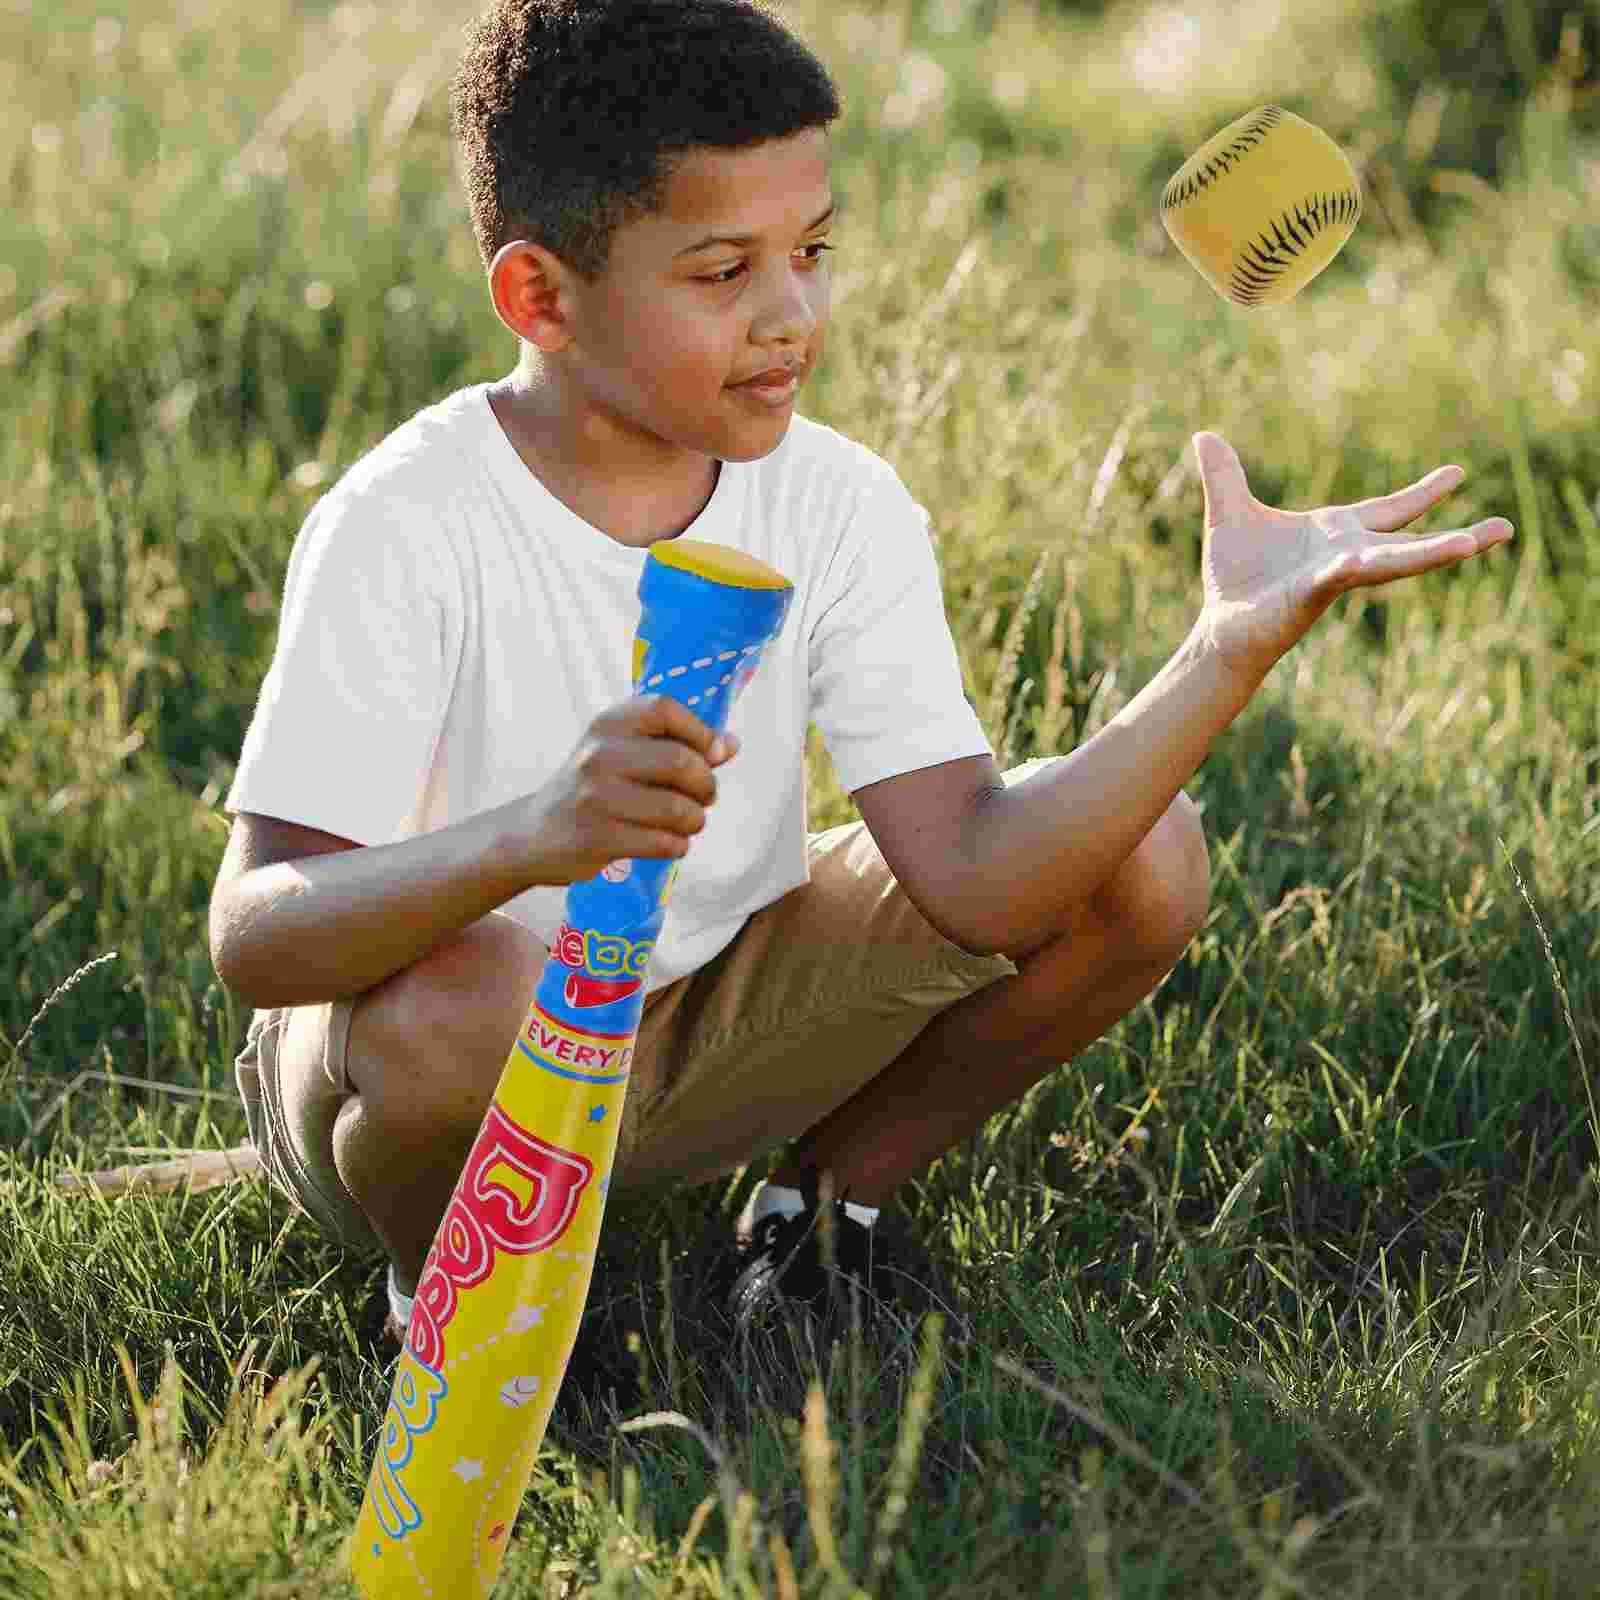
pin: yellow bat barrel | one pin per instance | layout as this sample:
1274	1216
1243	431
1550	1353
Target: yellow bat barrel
503	1288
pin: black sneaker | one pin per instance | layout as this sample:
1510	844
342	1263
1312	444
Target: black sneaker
784	1262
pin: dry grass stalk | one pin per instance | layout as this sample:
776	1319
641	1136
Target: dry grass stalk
195	1169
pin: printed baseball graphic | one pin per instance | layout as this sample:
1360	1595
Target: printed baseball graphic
502	1291
1262	207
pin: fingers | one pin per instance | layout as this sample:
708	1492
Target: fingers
665	764
1222	479
1386	562
662	718
1390	512
626	797
619	813
649	764
663	770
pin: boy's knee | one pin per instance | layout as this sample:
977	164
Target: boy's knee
427	1045
1162	893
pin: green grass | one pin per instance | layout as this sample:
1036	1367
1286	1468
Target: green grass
1288	1285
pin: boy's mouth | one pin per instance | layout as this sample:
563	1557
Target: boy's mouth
774	386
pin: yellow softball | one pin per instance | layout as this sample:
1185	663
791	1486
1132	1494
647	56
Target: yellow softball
1262	207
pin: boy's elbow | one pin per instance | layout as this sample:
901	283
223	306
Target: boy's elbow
247	984
226	964
959	906
980	938
227	937
970	927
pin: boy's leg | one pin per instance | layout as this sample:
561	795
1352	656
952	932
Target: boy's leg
788	1030
364	1109
840	1025
424	1053
734	1060
988	1049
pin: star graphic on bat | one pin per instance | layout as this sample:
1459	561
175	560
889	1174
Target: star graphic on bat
467	1469
597	1113
517	1392
525	1317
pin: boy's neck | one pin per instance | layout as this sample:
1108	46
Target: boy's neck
635	502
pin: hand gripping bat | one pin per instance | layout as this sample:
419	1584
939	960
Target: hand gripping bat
502	1290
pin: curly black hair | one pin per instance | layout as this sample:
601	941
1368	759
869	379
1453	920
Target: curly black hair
569	112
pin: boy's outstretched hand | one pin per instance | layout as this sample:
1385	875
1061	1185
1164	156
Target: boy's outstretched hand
1268	575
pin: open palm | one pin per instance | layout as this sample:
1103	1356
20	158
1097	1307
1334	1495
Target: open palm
1268	575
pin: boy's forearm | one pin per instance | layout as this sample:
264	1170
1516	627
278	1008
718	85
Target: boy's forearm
1057	836
327	926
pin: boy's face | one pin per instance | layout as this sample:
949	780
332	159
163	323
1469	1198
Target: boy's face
665	341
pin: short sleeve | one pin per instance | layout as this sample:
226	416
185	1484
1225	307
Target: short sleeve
886	690
350	711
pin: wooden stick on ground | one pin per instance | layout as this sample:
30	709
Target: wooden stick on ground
196	1169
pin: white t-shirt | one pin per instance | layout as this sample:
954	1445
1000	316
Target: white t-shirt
450	629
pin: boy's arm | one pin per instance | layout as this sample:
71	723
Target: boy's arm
991	866
300	916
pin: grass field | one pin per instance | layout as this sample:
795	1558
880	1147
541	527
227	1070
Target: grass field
1286	1287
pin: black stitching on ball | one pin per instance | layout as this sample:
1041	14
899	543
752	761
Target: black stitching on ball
1223	161
1263	261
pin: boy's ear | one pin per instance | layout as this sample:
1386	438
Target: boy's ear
525	283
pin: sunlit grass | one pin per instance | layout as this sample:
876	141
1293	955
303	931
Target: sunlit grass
1287	1286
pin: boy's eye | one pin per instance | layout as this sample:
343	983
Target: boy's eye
727	276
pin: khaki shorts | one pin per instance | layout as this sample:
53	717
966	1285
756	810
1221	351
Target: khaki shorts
816	995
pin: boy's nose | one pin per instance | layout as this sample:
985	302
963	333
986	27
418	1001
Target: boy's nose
789	313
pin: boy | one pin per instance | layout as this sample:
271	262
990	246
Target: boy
446	737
